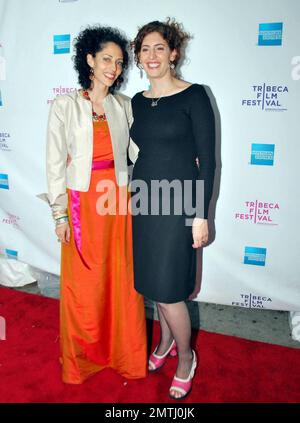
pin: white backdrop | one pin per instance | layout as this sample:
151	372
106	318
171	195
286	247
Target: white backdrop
254	259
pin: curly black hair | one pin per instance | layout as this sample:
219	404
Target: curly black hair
91	40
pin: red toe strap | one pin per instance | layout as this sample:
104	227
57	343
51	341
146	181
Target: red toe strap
183	387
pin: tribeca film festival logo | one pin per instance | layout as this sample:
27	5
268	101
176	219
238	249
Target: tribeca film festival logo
4	141
57	91
251	301
61	44
4	181
8	253
258	212
12	220
262	154
255	256
270	34
267	97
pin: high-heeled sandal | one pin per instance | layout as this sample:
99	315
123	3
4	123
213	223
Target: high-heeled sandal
157	361
184	386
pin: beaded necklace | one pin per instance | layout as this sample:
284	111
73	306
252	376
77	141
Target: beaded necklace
96	117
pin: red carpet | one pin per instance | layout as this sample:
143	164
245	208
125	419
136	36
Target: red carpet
231	369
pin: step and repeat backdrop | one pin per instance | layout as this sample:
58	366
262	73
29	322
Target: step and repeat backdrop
247	54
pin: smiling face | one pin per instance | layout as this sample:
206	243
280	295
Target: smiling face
107	64
155	55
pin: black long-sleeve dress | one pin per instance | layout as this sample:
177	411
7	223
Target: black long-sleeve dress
170	137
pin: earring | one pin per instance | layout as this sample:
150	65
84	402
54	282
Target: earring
141	70
91	74
172	66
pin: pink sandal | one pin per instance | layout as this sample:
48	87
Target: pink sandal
157	361
184	386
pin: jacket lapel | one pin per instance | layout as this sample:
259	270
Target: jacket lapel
116	122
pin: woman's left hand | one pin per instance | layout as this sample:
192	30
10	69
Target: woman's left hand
200	232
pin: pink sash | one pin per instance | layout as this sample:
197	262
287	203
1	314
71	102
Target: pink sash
75	207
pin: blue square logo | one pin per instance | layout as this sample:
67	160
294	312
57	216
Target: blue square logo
4	181
11	254
61	44
270	34
1	102
262	154
255	256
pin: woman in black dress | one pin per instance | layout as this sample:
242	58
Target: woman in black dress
174	130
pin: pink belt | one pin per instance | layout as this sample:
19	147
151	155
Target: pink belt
75	207
102	164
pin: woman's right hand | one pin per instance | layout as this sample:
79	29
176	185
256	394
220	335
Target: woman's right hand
63	232
69	159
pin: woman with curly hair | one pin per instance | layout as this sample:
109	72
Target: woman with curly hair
173	127
88	139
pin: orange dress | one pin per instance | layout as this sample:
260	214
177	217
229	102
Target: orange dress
102	317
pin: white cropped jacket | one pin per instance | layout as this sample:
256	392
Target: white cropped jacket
70	132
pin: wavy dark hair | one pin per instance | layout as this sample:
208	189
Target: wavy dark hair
171	31
91	40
